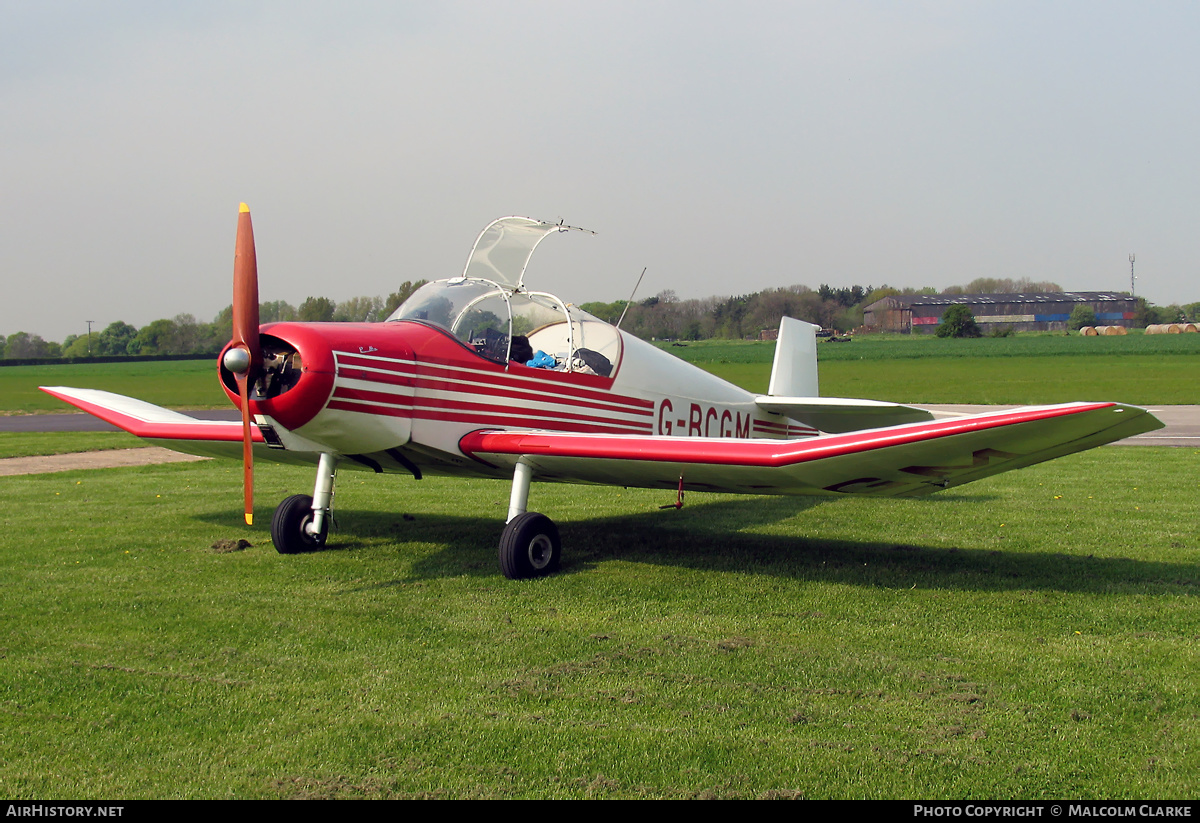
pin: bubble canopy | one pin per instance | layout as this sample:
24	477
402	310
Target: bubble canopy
488	306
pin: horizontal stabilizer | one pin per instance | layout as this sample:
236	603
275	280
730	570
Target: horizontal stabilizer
840	414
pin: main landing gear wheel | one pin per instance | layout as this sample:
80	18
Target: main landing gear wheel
529	547
289	526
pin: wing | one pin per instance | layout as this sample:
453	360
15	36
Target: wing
905	460
210	438
163	427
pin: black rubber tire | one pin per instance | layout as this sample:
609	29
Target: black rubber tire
529	547
287	526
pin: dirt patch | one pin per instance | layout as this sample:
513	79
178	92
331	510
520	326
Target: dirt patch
92	460
231	545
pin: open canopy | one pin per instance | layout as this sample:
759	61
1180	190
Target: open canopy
503	249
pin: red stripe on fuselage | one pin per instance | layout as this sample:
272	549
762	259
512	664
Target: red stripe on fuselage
480	414
541	380
474	382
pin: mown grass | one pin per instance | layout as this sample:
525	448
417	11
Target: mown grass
32	444
1029	636
1010	380
190	384
913	347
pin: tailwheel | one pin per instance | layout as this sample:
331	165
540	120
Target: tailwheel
290	526
529	547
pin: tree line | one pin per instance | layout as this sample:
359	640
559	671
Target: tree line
663	316
183	334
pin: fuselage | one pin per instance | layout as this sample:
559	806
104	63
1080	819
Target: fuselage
400	395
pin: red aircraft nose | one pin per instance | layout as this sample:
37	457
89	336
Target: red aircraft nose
297	374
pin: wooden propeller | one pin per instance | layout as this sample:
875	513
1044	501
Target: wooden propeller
244	358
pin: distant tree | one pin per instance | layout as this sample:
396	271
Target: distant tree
608	312
396	298
316	310
1145	314
221	328
359	310
1005	285
189	337
1082	315
878	294
115	338
22	345
158	337
77	346
957	321
273	311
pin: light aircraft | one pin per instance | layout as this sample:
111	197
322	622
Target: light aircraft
446	387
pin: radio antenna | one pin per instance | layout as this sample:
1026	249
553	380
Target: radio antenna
631	294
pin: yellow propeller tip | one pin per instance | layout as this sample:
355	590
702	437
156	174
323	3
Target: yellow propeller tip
249	520
242	207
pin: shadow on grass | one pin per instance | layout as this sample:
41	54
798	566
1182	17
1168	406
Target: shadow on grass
712	536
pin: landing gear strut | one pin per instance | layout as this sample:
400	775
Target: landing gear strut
301	523
529	546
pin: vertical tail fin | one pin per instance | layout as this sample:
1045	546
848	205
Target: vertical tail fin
794	372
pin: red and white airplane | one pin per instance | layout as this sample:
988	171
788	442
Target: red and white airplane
445	386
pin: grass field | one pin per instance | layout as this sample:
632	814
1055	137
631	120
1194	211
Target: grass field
188	384
32	444
1029	636
915	347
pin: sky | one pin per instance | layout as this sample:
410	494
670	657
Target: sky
725	147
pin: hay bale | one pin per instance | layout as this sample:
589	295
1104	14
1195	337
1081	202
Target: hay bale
1088	331
1190	327
1154	328
1174	328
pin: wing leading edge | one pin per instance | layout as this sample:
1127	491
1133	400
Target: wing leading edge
906	460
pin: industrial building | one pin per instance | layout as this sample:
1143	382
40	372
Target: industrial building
921	313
